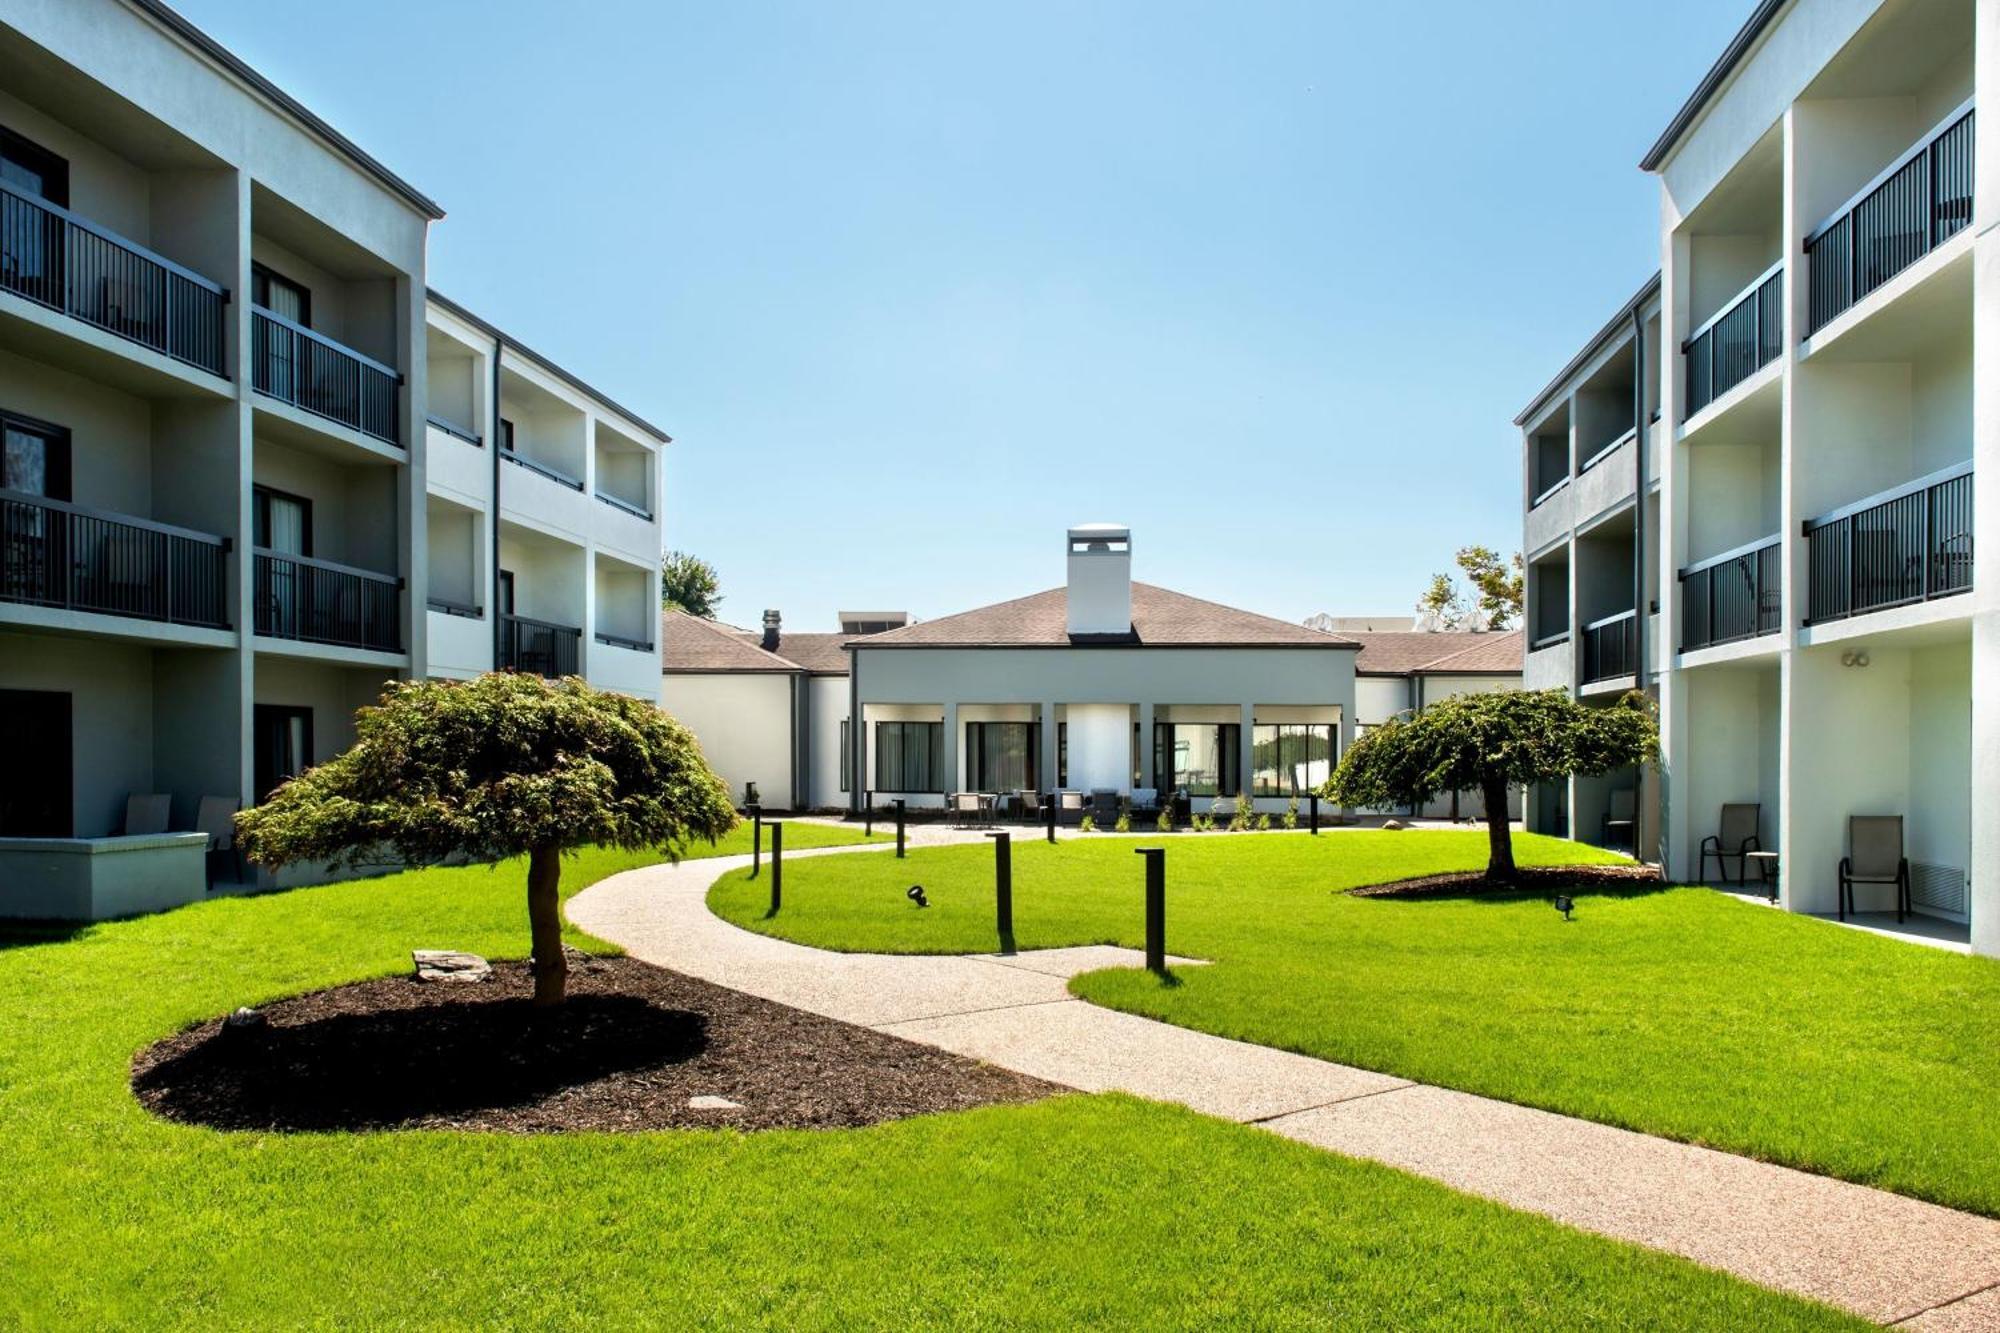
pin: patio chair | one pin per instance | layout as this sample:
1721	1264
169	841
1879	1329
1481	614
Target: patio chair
1069	807
1737	837
1104	806
1145	800
147	814
1623	814
965	808
1874	856
1028	804
216	816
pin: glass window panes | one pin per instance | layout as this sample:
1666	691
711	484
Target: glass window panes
1000	756
909	756
1291	758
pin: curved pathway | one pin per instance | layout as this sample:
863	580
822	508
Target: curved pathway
1882	1256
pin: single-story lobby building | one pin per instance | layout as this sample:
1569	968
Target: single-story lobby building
1101	684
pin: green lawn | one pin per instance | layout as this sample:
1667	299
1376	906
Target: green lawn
1684	1013
1081	1209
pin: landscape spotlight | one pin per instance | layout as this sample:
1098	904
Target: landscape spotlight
916	895
1565	905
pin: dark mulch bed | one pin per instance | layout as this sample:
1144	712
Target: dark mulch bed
1529	879
627	1051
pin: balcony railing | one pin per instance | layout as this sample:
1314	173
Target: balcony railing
317	601
1611	647
539	646
636	510
54	258
453	429
620	641
1733	596
1907	545
1921	200
541	469
316	374
63	555
1738	342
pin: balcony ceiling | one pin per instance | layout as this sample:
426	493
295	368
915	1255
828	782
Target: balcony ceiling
66	94
1899	50
278	219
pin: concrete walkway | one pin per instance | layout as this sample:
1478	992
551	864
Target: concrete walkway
1884	1257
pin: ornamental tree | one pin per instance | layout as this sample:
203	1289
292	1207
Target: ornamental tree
1487	743
503	765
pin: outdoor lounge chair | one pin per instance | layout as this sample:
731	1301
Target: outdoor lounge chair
1028	804
1070	806
1623	815
1737	837
1145	800
1103	807
216	816
1874	856
147	814
966	809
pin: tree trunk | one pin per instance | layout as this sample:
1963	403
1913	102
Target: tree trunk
545	924
1499	836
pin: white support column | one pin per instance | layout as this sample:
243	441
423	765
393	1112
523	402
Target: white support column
1984	869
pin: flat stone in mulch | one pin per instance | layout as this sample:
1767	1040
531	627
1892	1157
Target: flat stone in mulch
635	1047
1528	879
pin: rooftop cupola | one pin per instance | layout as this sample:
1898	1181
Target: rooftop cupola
1100	580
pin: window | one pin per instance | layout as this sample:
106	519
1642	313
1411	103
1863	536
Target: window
35	458
35	796
284	745
506	592
1291	758
1062	754
281	296
846	755
1000	756
26	165
909	756
1204	757
280	521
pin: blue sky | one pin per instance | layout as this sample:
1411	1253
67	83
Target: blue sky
914	286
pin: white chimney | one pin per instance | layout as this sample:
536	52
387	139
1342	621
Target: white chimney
1100	579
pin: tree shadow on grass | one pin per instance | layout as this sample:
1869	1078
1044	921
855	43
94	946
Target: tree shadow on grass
1532	884
430	1063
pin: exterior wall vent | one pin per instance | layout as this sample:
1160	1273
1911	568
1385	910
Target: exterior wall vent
1937	890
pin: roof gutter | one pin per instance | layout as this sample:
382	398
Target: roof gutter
1711	83
206	45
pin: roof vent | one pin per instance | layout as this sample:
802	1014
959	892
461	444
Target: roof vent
772	621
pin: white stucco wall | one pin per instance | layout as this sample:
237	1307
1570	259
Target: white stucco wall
743	722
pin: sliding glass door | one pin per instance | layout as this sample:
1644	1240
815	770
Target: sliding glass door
1203	757
1001	756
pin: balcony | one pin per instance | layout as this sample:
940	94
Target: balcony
317	601
1610	647
1738	342
54	258
1733	596
315	374
540	469
70	558
1920	201
539	646
1912	544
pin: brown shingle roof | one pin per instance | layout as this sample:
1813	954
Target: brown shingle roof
689	643
1160	618
817	652
1403	652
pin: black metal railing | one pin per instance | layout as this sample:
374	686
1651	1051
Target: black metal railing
1921	200
1610	647
541	469
1738	342
1550	640
54	258
317	601
620	641
1733	596
316	374
63	555
453	429
445	606
539	646
1907	545
636	510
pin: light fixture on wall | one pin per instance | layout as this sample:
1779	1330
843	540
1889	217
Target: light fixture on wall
1854	659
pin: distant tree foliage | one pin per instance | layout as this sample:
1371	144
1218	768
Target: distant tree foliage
1492	599
1488	743
689	583
504	765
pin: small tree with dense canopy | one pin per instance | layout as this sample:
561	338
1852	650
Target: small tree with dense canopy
504	765
1487	743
